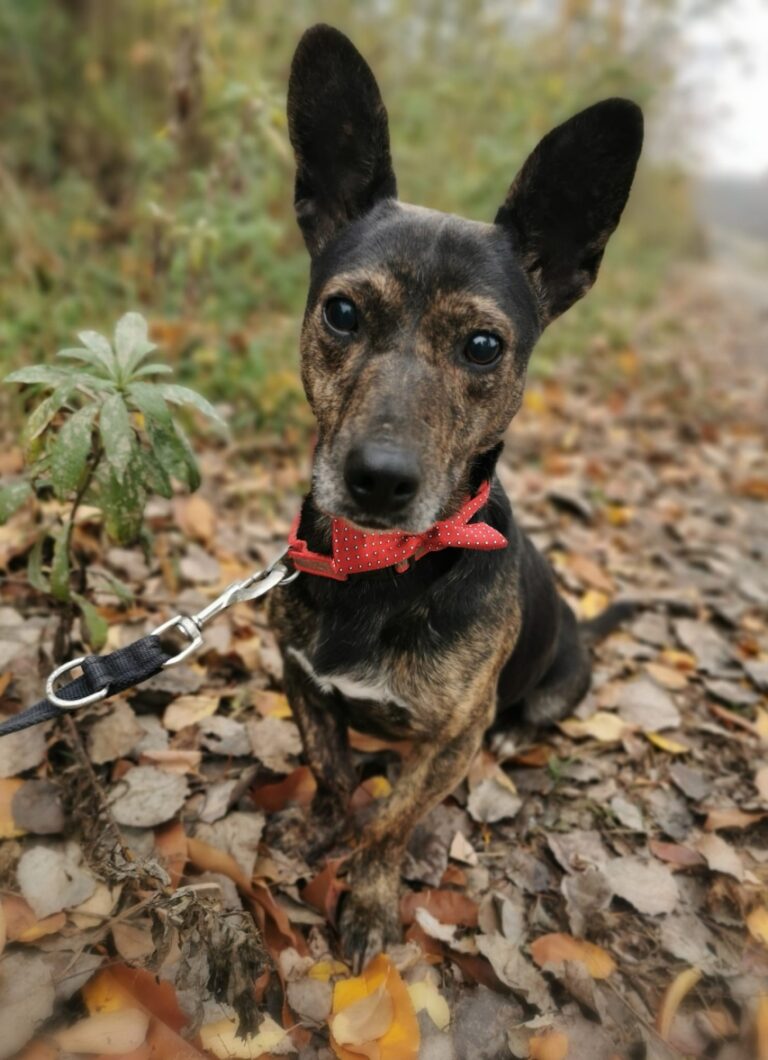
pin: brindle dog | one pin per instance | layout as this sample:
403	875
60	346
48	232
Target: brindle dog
415	342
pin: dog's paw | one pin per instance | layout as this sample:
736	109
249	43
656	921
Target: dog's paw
367	926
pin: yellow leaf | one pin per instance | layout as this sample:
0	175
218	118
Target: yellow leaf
561	947
552	1045
366	1020
378	787
325	970
427	998
673	998
220	1039
188	710
618	514
535	400
401	1040
8	827
592	603
757	923
602	726
107	1033
664	743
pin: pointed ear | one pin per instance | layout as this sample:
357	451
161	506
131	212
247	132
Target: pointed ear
338	127
567	199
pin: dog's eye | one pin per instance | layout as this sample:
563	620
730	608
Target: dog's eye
483	348
341	315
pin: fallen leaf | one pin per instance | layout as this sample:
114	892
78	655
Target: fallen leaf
514	970
552	1045
108	1033
720	856
672	747
448	907
147	796
8	827
757	923
37	808
114	735
222	1040
492	800
644	705
54	877
425	997
26	999
761	782
274	742
667	676
731	818
646	885
195	517
681	985
761	1028
189	710
602	726
400	1040
364	1021
560	947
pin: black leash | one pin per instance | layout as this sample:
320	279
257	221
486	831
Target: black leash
106	675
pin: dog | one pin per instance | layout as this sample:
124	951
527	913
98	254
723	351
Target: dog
424	613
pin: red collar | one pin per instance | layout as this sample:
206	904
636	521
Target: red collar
355	551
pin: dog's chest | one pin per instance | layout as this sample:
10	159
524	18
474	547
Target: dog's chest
368	684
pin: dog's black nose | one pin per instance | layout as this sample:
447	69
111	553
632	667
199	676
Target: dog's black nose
382	478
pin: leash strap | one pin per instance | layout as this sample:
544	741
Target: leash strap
106	675
103	675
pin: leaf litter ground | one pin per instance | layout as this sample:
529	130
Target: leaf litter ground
600	893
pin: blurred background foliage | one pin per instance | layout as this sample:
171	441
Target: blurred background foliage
145	164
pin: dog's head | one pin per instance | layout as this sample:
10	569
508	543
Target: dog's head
419	324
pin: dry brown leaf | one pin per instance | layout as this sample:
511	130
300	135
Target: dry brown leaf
673	998
196	518
720	856
107	1033
731	818
558	946
173	760
189	710
667	676
761	782
8	827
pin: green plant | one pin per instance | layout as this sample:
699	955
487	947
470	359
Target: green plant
104	436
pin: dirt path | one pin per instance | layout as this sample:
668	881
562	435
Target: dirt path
640	825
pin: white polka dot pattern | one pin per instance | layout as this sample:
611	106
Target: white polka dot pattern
355	551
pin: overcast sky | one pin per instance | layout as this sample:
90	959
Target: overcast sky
729	76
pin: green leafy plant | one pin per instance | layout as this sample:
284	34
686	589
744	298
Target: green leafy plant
105	436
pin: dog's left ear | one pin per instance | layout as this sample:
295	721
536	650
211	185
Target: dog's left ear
567	199
339	131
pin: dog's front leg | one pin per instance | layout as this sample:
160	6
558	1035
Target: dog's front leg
370	918
324	737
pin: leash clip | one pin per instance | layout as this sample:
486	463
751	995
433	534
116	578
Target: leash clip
250	588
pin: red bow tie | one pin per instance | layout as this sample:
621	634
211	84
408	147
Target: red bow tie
354	551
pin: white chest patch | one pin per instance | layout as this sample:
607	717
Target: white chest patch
374	687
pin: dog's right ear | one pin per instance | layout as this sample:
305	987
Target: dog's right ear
338	127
